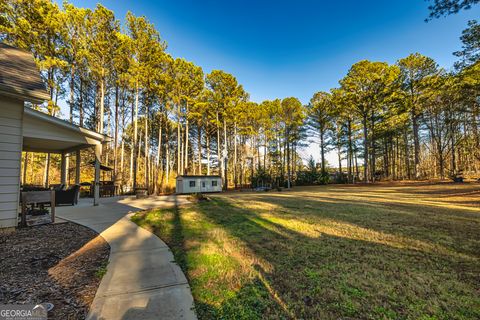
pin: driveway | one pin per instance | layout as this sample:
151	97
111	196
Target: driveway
142	279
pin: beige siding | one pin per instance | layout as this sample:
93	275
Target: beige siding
10	147
11	113
8	197
6	188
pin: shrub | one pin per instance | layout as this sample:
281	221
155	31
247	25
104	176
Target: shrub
197	197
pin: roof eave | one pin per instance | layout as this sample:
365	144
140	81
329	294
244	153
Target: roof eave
24	95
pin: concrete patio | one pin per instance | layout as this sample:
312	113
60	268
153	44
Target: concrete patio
142	280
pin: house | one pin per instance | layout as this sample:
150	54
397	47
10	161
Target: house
25	129
198	184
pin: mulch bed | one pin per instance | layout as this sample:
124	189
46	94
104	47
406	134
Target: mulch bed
57	263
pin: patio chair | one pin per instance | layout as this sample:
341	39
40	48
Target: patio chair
67	197
57	187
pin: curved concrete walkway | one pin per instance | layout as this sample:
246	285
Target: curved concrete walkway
142	279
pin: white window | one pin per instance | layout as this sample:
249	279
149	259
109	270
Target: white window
214	183
192	184
203	184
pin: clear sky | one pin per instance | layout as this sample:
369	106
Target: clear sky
282	48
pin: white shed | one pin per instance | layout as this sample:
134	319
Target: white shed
198	184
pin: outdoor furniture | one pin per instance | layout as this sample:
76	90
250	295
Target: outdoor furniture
107	189
67	197
57	187
141	193
32	187
34	208
457	177
86	190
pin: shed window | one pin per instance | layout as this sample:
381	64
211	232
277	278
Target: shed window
214	183
203	184
192	184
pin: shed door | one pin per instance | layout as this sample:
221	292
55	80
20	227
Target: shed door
203	186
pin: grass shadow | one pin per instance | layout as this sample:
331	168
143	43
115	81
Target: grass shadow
248	262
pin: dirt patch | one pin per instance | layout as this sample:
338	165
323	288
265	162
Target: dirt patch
61	264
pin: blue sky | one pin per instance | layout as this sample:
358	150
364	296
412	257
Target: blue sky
295	48
282	48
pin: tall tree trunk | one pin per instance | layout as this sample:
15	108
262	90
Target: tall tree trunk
146	150
186	140
357	169
397	158
80	106
441	160
180	160
122	154
207	138
135	137
350	151
294	162
159	156
235	155
102	106
220	164
287	136
386	162
322	150
282	148
139	150
199	148
416	142
224	157
265	142
131	174
167	155
339	154
407	155
115	142
72	91
452	147
373	164
179	142
365	150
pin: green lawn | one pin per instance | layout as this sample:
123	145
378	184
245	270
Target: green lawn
333	252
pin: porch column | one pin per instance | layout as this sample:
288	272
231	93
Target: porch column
96	193
77	167
63	171
77	171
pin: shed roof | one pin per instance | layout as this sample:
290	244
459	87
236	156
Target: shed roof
197	176
19	75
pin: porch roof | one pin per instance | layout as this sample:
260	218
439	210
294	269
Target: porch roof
44	133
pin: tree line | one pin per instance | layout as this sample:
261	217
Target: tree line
167	117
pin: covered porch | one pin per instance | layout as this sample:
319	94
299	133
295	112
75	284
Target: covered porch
46	134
